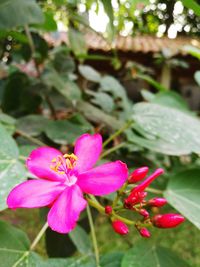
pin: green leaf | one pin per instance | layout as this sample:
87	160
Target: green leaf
13	244
32	124
170	99
166	130
197	77
21	95
81	240
152	82
103	100
192	5
89	73
107	4
183	193
35	260
112	259
64	132
65	87
12	172
98	116
8	122
111	85
25	12
146	254
77	42
192	50
49	24
148	96
25	150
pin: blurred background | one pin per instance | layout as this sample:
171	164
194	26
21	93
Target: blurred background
74	66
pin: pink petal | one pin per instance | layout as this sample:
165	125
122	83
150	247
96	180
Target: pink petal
34	194
88	149
103	179
65	211
40	160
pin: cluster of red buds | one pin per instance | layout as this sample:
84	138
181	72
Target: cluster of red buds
136	201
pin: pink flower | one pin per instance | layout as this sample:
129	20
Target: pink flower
64	178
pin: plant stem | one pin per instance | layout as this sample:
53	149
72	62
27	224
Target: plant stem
119	193
94	239
154	190
25	254
30	39
101	209
111	150
34	243
39	236
30	138
22	157
118	132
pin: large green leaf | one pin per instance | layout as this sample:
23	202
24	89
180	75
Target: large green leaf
146	254
13	244
183	193
81	240
112	259
64	132
170	99
34	260
166	130
15	251
12	172
32	124
19	13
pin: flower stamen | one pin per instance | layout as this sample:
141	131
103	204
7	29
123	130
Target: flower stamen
61	164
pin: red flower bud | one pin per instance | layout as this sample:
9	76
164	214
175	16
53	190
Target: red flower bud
120	227
144	213
108	210
144	232
141	187
134	198
167	220
157	202
137	175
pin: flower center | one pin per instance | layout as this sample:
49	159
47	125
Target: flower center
71	180
62	164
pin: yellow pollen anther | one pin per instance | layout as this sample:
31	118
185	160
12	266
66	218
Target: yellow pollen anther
68	160
70	156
